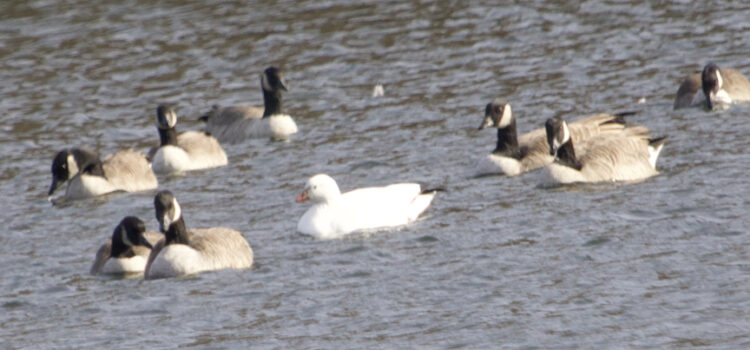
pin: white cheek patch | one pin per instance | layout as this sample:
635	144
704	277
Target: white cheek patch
507	116
124	237
72	166
566	133
177	210
719	81
171	118
264	82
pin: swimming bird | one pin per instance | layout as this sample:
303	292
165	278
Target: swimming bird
718	86
625	156
127	251
514	155
88	176
334	214
185	252
190	150
237	123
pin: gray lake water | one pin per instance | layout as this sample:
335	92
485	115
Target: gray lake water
496	262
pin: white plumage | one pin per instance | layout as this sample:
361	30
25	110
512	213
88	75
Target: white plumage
334	214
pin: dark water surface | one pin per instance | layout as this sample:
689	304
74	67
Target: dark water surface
495	262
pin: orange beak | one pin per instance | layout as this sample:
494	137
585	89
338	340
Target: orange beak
303	197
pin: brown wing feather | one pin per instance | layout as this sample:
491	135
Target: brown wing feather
222	247
204	150
130	171
535	149
227	124
689	87
736	84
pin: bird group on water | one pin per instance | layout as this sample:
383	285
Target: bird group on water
596	148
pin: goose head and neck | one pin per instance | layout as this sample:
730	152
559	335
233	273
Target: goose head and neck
169	215
127	235
712	84
320	189
498	114
273	85
560	143
166	119
69	162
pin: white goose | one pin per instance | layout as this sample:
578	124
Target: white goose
335	214
186	252
88	176
190	150
238	123
128	250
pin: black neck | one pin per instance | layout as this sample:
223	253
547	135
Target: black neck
120	250
94	168
271	103
566	155
507	141
167	136
177	233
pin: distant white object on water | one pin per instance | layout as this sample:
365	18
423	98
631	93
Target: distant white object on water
642	100
377	91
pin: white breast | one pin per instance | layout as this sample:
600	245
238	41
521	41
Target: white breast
136	264
170	159
507	165
85	186
282	126
562	174
176	260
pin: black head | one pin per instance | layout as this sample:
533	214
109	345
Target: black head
165	117
127	234
711	82
497	114
63	168
69	162
167	209
272	80
557	134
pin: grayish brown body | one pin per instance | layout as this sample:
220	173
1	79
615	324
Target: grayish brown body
185	252
625	156
103	257
89	176
691	94
531	150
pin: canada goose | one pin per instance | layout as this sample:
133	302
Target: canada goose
334	214
128	249
186	252
719	86
190	150
237	123
88	176
625	156
515	155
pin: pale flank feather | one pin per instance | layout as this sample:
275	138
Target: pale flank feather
130	171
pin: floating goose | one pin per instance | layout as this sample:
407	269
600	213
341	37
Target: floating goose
128	250
718	86
190	150
626	156
88	176
238	123
186	252
334	214
515	155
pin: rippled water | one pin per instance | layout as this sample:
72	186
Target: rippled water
496	262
